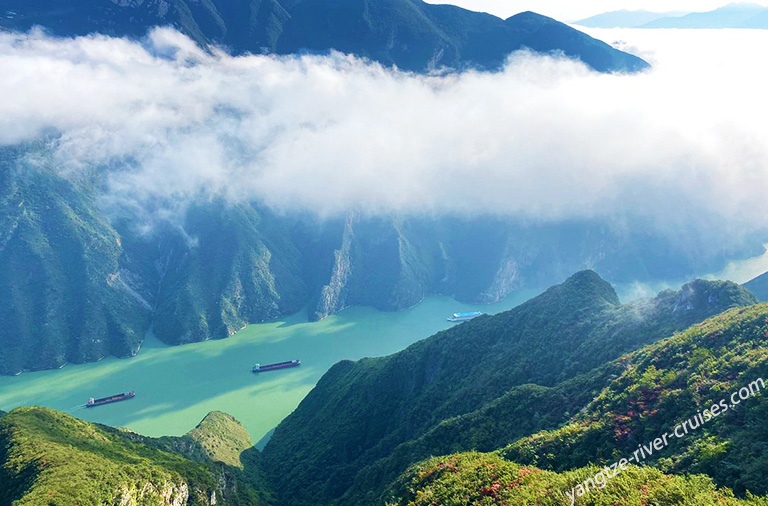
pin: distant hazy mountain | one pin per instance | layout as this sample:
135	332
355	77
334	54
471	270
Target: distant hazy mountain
624	18
408	33
736	15
759	286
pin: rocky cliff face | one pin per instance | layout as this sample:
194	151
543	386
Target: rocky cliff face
82	282
333	296
382	263
165	494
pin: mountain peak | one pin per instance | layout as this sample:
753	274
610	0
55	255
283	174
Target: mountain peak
588	288
55	456
741	6
222	437
409	34
702	295
719	290
758	286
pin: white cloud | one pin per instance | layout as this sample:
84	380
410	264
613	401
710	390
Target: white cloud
683	146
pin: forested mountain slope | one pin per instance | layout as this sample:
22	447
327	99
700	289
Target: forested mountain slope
87	279
553	391
47	457
366	421
665	384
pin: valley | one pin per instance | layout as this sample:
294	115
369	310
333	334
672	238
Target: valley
192	187
520	406
176	386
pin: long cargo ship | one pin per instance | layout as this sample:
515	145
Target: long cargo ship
274	367
109	400
462	317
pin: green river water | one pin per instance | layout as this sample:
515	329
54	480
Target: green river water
176	386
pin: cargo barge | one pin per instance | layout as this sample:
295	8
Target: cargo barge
274	367
109	400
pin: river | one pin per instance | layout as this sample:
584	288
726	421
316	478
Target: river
176	386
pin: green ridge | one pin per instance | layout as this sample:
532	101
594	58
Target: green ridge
365	422
222	437
410	34
49	457
63	294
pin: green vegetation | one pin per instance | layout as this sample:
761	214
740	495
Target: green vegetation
479	385
222	437
87	277
63	294
219	437
486	479
237	265
51	458
649	391
80	287
606	380
665	384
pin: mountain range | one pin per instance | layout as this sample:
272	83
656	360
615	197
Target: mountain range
515	408
735	15
759	286
83	283
625	18
478	386
410	34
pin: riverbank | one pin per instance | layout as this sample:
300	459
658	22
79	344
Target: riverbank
176	386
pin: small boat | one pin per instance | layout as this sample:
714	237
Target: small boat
462	317
109	400
274	367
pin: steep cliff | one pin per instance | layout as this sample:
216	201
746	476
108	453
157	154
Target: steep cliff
86	278
65	295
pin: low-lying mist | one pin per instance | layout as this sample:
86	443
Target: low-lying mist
681	148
